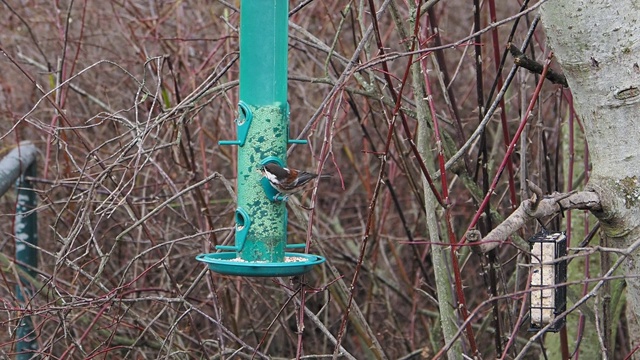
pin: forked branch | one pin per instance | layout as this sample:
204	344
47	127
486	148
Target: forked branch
538	207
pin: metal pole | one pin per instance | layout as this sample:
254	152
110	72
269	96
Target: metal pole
26	233
16	167
15	163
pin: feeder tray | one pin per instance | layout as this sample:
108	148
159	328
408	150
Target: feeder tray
227	263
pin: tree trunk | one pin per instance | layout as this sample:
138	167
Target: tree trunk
597	43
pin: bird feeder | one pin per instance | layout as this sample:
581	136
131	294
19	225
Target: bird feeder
548	297
260	247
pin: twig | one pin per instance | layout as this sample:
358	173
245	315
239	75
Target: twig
601	341
166	202
510	149
490	112
464	41
522	60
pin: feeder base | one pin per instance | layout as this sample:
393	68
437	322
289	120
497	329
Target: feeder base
227	263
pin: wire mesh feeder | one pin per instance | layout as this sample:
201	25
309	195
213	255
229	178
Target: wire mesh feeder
548	297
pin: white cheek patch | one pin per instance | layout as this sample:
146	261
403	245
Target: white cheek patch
272	178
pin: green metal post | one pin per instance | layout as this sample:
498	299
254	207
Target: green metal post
263	88
26	232
16	167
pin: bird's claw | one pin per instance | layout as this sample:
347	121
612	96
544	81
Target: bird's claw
280	197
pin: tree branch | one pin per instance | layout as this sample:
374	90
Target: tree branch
520	59
536	208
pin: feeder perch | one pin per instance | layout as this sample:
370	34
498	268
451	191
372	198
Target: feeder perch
548	297
243	122
262	130
269	190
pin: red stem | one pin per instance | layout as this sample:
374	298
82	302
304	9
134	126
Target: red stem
397	97
71	348
521	317
510	149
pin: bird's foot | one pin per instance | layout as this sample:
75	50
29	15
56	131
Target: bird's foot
281	198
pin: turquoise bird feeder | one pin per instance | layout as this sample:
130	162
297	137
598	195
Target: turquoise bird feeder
263	134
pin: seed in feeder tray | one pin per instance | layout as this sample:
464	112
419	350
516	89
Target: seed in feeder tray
239	259
294	259
289	259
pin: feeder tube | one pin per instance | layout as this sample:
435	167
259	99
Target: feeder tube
263	90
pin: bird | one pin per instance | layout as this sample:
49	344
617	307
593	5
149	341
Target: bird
287	181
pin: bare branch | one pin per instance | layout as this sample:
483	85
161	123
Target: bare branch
536	208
